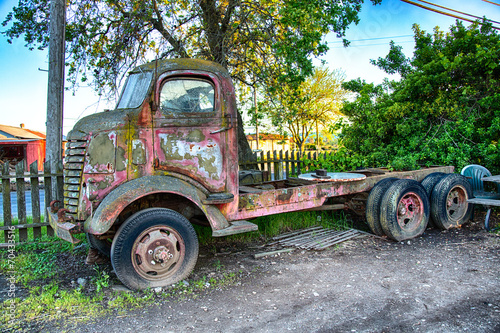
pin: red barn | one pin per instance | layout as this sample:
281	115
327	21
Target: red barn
18	143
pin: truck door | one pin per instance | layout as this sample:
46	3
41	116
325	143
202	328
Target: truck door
191	129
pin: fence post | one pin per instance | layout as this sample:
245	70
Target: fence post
287	165
21	200
269	168
35	198
59	182
47	181
262	165
7	212
299	165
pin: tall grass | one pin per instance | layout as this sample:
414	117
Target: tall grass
273	225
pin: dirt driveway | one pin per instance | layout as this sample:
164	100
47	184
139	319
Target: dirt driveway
441	282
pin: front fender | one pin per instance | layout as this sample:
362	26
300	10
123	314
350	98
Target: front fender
114	203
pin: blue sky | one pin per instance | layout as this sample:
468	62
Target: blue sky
23	87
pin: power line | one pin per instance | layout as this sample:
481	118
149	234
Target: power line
443	13
493	3
400	42
367	39
456	11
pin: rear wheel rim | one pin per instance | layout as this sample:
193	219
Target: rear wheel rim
410	211
456	203
158	253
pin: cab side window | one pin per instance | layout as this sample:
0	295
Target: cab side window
187	95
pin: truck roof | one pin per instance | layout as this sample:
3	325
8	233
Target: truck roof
165	65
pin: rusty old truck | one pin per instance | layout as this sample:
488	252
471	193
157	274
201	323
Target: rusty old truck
136	178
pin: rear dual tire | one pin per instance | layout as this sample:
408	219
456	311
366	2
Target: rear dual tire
405	210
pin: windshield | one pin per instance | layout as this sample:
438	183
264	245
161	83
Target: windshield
135	90
187	95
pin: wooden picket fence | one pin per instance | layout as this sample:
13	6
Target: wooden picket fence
36	228
276	165
282	165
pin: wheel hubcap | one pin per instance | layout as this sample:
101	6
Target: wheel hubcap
158	252
456	203
410	211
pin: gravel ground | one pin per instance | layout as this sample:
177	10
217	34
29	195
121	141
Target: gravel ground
444	281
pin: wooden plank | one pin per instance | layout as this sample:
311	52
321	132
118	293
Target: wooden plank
47	180
276	166
287	165
494	179
262	164
21	200
59	181
269	168
485	202
35	198
25	226
7	211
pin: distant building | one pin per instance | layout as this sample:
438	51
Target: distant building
18	144
269	142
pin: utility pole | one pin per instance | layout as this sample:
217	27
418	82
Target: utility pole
55	90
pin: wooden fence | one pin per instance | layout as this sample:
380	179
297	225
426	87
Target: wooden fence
276	165
281	165
20	227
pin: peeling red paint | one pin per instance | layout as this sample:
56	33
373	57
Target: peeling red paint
152	144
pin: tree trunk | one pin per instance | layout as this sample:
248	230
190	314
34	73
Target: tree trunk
244	150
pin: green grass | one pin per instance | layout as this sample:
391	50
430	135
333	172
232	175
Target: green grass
37	272
273	225
30	231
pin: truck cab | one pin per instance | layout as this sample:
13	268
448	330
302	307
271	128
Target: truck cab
169	146
137	178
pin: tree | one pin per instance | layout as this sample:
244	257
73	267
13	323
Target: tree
445	109
252	39
315	101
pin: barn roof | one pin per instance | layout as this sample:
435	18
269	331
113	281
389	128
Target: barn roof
11	132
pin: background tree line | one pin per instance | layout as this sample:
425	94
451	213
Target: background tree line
444	110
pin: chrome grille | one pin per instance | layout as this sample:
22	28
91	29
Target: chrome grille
73	170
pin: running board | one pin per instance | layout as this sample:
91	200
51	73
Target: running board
236	227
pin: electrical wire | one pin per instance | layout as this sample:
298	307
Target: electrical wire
493	3
456	11
443	13
367	39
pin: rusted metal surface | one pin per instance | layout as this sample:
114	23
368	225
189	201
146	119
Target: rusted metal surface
316	238
114	203
332	176
410	211
157	252
314	195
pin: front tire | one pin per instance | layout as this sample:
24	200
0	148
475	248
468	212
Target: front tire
155	247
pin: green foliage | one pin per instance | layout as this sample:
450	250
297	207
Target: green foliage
104	39
445	110
101	279
299	109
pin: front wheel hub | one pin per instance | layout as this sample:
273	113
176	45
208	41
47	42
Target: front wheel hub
162	254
